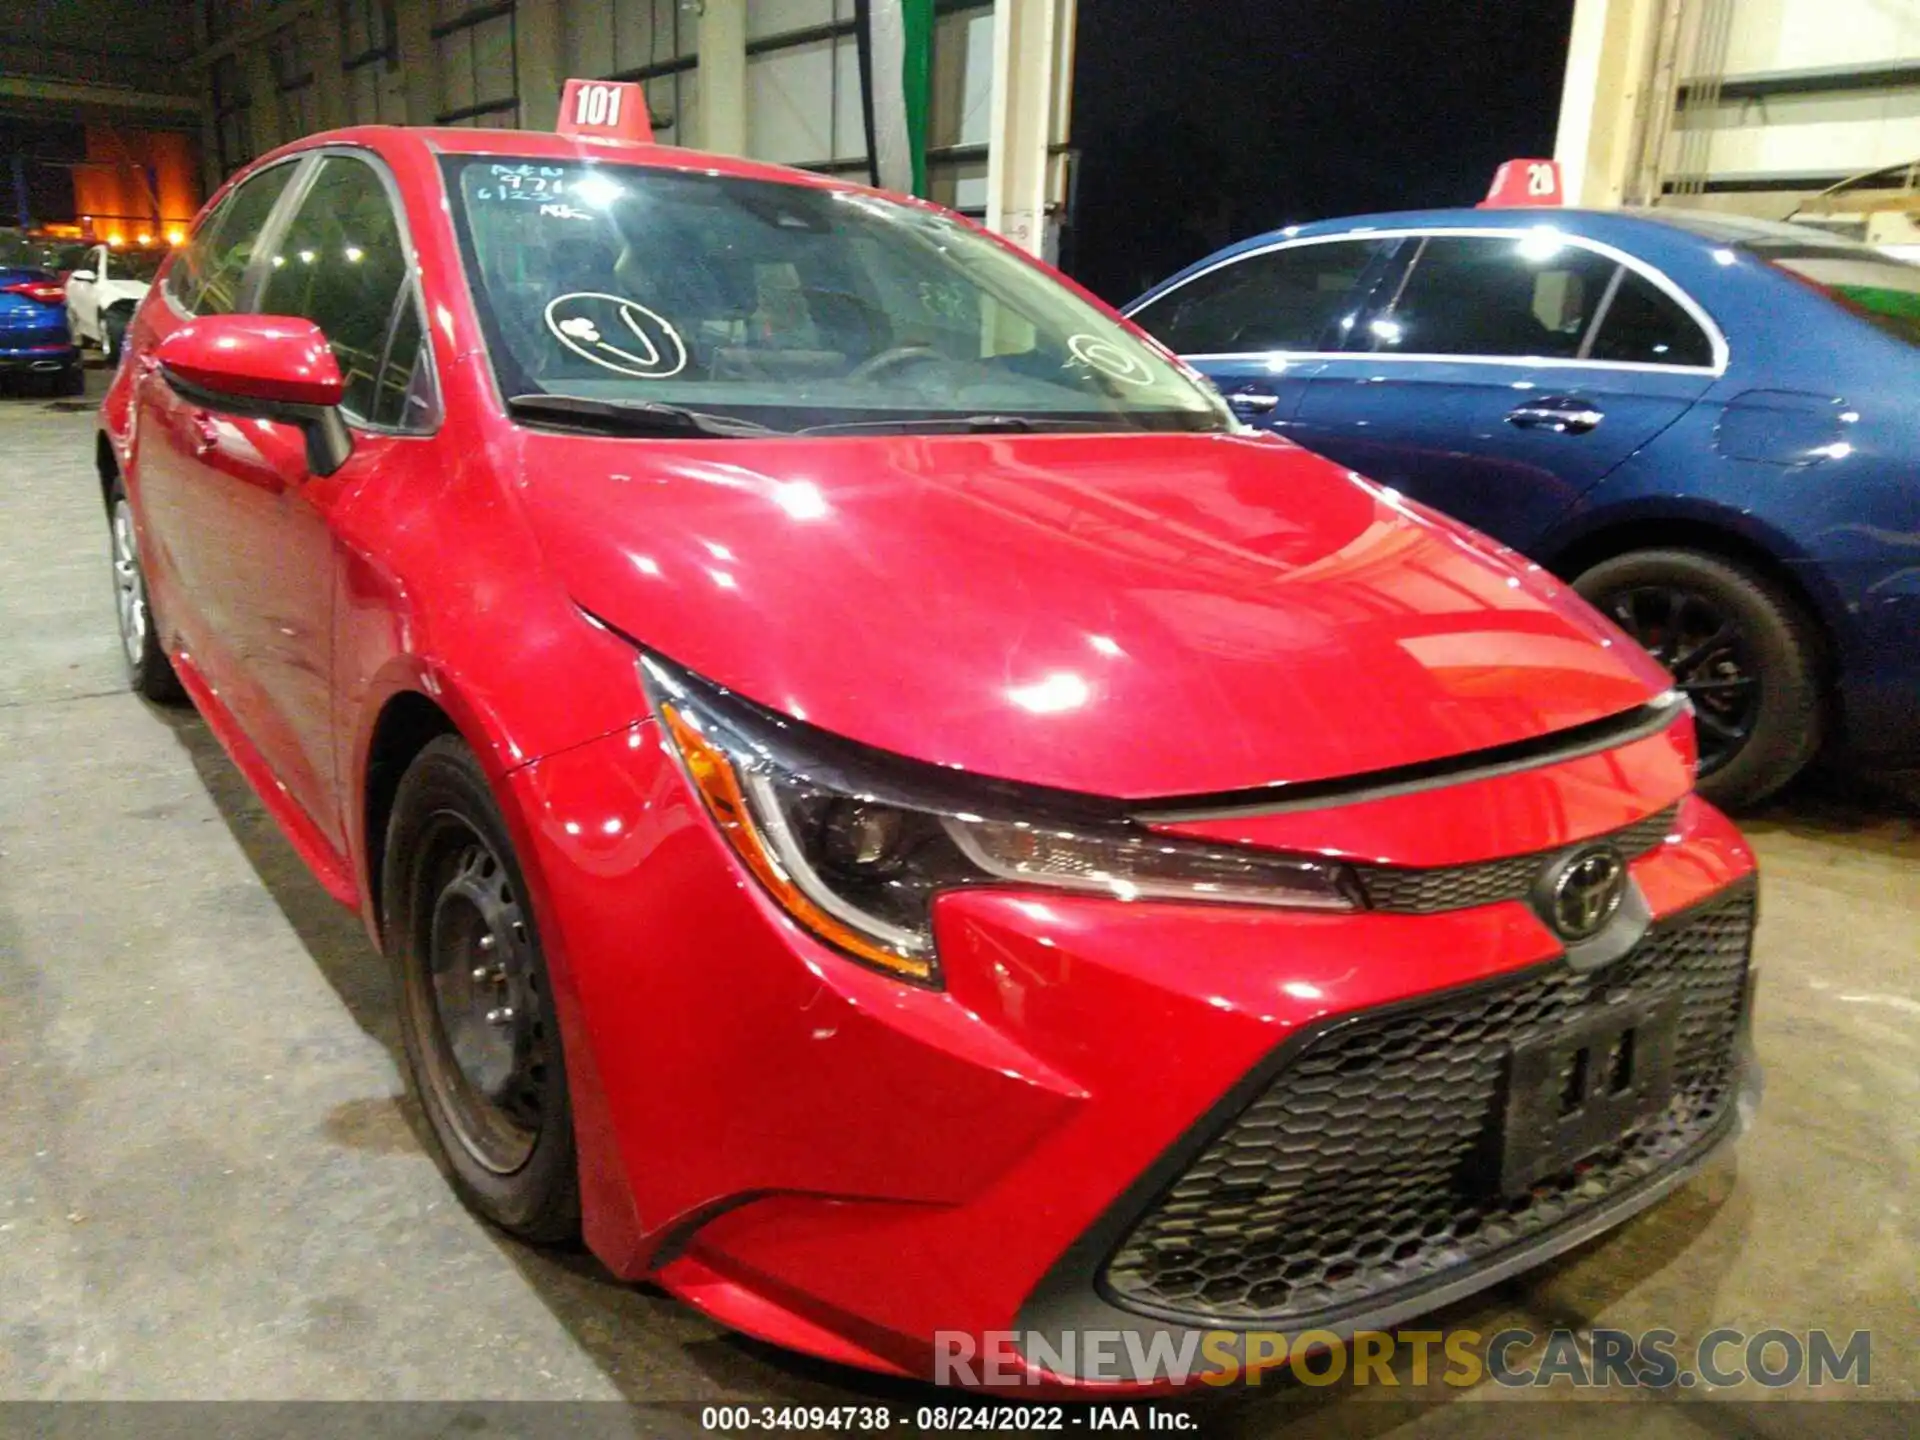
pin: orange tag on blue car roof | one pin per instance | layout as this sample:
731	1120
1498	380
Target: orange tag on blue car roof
605	110
1524	183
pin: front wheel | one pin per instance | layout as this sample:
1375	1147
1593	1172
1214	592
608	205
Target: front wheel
476	1006
148	670
1740	648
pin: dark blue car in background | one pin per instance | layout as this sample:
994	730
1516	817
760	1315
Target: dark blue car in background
1709	425
35	344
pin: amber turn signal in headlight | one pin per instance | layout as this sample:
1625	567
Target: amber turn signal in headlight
717	781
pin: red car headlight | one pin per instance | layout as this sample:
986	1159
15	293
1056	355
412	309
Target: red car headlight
855	844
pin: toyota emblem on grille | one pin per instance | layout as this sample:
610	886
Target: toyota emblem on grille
1584	892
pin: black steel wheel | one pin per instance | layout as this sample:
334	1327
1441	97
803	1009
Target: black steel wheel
476	1011
1738	646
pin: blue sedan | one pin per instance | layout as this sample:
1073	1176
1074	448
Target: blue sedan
34	340
1706	424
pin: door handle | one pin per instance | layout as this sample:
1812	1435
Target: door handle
206	434
1254	402
1562	414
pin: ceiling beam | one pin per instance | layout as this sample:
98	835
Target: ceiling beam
44	91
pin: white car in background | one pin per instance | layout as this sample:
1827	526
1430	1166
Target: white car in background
105	290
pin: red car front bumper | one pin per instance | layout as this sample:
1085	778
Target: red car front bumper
860	1168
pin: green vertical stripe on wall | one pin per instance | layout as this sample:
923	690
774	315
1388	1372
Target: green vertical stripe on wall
916	82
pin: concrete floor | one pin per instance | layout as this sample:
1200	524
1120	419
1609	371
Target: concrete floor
210	1189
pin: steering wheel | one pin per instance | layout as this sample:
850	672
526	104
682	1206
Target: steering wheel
888	360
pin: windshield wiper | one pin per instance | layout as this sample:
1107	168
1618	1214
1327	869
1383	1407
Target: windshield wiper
633	417
960	425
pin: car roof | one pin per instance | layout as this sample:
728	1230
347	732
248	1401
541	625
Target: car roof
1659	236
1618	225
543	145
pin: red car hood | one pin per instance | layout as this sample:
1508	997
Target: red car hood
1129	616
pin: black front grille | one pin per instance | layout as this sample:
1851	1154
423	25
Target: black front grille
1370	1163
1455	887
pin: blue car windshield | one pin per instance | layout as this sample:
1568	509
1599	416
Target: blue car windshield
790	306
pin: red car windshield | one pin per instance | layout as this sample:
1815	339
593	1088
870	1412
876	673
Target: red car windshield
790	306
1876	287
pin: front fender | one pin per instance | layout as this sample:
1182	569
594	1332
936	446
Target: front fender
480	713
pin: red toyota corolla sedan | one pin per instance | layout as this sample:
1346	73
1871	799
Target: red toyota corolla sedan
887	806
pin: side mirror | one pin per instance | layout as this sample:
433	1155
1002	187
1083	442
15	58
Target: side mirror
86	275
269	367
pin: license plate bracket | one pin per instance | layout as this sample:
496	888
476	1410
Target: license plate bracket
1578	1090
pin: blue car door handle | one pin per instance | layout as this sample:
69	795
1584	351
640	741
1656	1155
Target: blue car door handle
1562	414
1253	402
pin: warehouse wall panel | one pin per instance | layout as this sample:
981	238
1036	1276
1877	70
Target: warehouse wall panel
1815	34
804	103
1750	105
493	62
960	111
653	41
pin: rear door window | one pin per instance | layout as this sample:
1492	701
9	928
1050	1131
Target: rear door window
1286	299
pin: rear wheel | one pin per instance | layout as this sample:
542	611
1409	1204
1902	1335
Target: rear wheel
476	1008
1740	648
113	335
148	669
71	381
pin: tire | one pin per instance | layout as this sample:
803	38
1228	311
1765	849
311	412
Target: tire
465	952
1741	648
113	336
149	671
72	381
